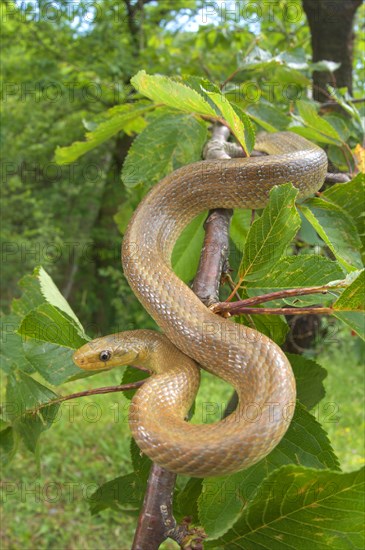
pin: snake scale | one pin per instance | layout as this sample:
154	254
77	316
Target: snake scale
252	363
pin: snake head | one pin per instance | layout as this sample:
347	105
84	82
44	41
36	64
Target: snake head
105	353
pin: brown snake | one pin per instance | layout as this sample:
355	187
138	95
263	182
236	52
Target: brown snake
252	363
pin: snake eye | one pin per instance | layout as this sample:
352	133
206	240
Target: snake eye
105	355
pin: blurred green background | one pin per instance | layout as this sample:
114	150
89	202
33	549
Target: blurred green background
65	64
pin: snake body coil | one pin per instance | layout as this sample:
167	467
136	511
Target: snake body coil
252	363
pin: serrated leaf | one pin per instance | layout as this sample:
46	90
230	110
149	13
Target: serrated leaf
52	361
239	228
299	507
273	326
50	327
340	124
103	132
168	142
346	104
269	117
162	89
270	234
354	320
24	395
141	462
200	84
312	120
309	376
186	503
118	494
353	297
337	230
7	445
12	353
48	324
223	499
299	272
350	197
38	289
311	134
239	123
131	375
186	253
125	491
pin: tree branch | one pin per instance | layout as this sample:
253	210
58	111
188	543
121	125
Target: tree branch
86	393
215	249
156	518
313	310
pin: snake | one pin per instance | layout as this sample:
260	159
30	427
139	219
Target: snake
192	336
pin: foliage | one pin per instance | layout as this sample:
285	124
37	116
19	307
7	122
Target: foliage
300	482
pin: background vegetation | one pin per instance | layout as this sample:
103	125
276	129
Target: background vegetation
67	70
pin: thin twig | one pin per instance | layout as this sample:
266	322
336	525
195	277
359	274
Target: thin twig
87	393
233	307
313	310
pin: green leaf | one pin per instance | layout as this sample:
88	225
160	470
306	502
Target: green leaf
52	361
121	493
338	122
168	142
311	134
273	326
298	507
124	492
270	234
141	462
309	376
7	445
353	297
39	289
350	197
24	395
186	503
239	123
337	230
11	352
30	350
47	318
224	498
200	84
162	89
312	120
240	226
49	324
269	117
186	253
103	132
346	104
354	320
131	375
299	272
